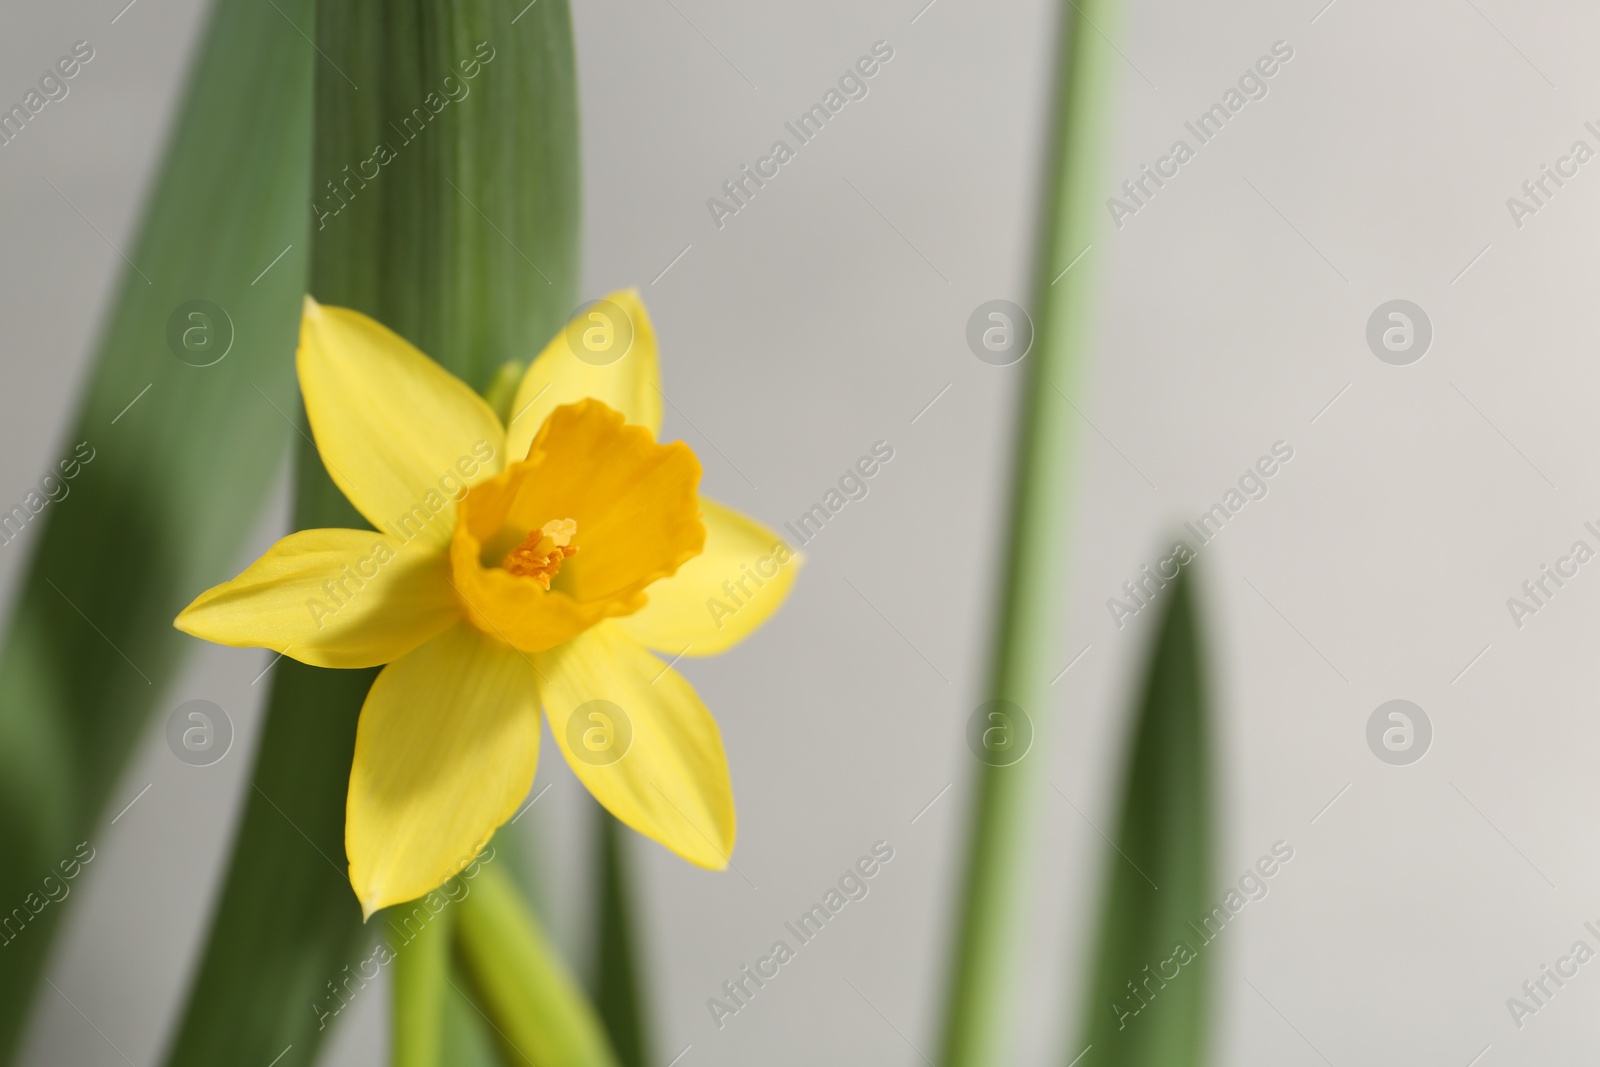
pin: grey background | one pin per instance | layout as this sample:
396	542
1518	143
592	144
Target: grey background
815	323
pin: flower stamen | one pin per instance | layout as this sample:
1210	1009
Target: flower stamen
541	552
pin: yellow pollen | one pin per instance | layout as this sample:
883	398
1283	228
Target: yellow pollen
541	552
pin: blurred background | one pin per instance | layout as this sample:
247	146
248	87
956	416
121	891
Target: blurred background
830	314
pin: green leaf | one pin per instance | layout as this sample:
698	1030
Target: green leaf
287	933
1026	649
539	1013
467	1034
466	241
445	245
618	987
182	456
1148	997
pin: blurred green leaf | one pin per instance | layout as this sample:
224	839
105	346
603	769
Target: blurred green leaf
182	456
1150	986
287	932
467	1034
462	237
619	985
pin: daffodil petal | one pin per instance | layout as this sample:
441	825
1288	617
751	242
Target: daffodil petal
445	751
330	598
401	436
638	737
630	383
721	596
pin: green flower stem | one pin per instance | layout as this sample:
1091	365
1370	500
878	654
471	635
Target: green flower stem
420	975
1027	652
539	1011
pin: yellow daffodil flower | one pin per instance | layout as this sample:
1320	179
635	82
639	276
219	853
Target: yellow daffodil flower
518	566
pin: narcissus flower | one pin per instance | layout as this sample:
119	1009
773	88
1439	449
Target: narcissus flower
518	567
